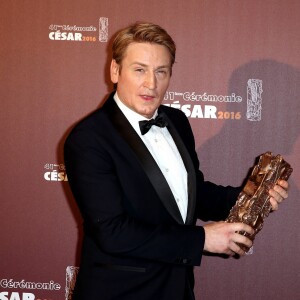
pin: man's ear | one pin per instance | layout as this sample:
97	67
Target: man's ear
114	71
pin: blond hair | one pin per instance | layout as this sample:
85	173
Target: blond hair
142	33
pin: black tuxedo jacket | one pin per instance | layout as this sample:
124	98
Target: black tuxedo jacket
136	245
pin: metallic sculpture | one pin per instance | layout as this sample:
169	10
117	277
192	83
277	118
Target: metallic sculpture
253	204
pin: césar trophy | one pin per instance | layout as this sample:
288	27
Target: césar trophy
253	205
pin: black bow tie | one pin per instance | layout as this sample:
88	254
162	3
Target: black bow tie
146	125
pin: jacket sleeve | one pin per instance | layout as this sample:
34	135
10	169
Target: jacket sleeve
213	201
95	185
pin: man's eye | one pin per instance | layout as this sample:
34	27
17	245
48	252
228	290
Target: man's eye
162	73
139	70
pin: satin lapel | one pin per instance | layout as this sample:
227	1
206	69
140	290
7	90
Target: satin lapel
148	163
189	168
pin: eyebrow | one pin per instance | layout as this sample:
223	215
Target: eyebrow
144	65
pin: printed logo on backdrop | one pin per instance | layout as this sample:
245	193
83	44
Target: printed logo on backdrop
75	33
55	172
205	105
25	285
71	275
254	99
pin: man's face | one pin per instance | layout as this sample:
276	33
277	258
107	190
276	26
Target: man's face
144	77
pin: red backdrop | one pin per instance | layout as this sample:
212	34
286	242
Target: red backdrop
54	71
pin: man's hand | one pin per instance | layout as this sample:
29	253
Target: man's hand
222	238
278	193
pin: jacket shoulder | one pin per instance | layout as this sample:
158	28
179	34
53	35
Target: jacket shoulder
176	116
96	119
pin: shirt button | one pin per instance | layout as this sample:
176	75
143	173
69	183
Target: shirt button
177	200
186	261
167	170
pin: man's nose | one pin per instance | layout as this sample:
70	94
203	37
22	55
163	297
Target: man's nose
150	81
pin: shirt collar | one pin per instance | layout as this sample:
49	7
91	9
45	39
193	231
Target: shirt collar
131	115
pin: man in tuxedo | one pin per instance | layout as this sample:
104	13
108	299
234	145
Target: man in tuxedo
134	173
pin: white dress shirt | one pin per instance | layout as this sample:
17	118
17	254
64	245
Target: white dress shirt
164	151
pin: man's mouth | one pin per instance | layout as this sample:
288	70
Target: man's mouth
147	97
